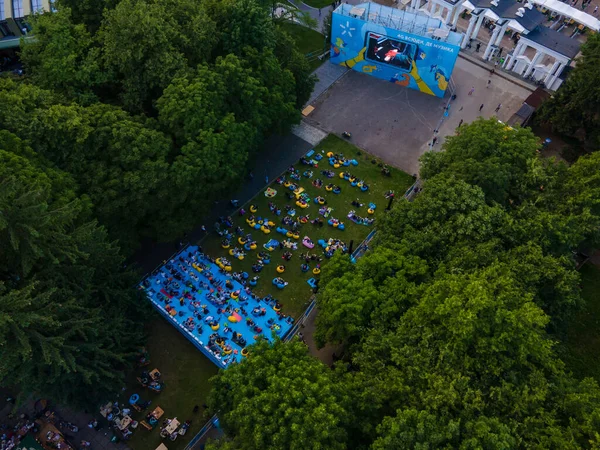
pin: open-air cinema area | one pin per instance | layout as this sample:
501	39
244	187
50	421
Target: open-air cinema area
256	272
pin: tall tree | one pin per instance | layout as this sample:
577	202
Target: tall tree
63	57
87	12
118	160
280	397
451	212
575	108
138	50
64	327
413	428
377	290
487	154
297	63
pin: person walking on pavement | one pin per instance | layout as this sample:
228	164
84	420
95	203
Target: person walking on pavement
481	107
488	85
319	12
595	10
460	123
472	90
478	47
498	107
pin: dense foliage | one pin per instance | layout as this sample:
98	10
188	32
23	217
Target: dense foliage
133	118
448	323
111	104
61	284
574	109
281	397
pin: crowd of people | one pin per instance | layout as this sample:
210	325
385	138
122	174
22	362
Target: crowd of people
213	301
10	437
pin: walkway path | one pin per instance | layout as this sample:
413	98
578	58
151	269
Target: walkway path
325	354
314	12
310	134
279	153
327	74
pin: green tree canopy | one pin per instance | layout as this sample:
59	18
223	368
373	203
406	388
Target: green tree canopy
421	429
119	161
135	50
487	154
447	321
573	109
87	12
65	301
280	397
63	57
219	76
451	212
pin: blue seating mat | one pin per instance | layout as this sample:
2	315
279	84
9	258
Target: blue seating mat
155	282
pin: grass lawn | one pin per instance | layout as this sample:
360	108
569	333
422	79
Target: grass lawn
308	41
581	349
185	372
296	295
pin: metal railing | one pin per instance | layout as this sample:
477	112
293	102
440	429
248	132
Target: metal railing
203	431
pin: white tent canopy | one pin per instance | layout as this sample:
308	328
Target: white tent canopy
558	7
568	11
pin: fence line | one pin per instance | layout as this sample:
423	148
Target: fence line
298	323
205	429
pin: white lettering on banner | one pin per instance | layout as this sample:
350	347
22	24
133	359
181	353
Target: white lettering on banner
443	47
424	43
414	39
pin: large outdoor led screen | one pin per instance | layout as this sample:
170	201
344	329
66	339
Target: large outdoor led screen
406	59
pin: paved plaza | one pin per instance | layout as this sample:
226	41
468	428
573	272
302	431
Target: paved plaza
397	124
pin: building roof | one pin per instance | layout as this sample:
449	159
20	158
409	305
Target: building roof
507	9
537	97
556	41
9	42
525	111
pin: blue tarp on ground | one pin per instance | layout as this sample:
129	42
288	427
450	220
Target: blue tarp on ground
210	284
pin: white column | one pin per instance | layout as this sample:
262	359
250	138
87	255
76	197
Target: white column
559	71
469	31
457	11
446	18
551	72
536	58
510	58
501	34
519	50
490	46
478	26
